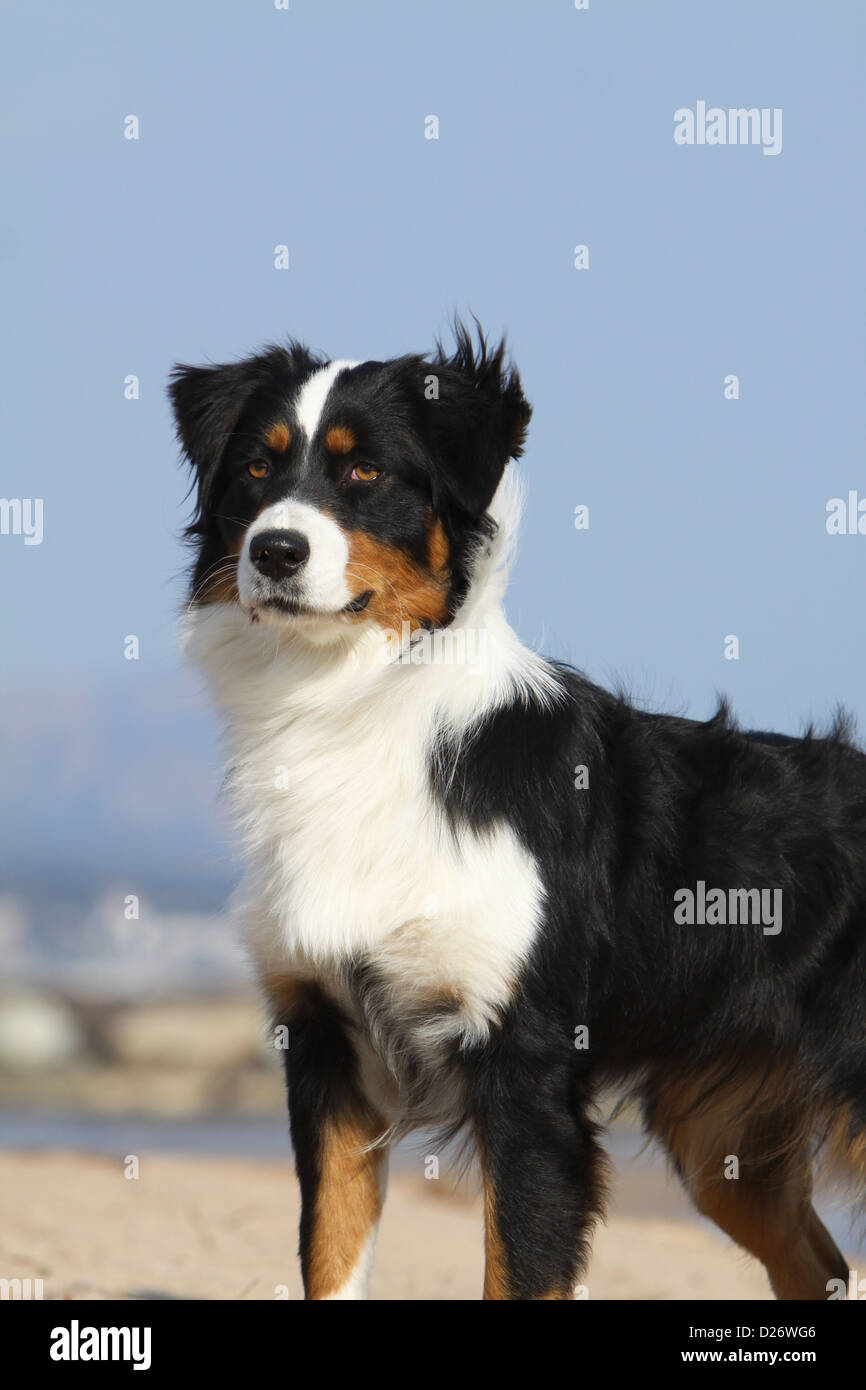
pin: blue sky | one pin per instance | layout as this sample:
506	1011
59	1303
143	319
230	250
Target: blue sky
260	127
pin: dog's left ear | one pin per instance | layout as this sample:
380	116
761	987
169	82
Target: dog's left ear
474	418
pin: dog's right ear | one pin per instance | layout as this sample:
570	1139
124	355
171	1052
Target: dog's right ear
207	404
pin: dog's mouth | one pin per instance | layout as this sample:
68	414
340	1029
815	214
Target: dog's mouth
294	608
360	603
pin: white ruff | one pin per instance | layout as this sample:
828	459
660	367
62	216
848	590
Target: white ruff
348	853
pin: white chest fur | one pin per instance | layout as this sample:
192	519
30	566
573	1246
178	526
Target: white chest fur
349	856
350	859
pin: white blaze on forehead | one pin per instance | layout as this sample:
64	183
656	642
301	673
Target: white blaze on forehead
313	394
321	583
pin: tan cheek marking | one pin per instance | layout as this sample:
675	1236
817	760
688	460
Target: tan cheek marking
403	590
437	546
340	439
279	437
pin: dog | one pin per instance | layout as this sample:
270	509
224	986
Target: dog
481	890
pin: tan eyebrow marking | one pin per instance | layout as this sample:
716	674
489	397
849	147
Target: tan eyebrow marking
279	437
340	439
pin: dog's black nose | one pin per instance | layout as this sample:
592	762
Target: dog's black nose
277	554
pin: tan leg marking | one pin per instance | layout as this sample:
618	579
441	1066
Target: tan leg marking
349	1192
348	1200
767	1209
495	1265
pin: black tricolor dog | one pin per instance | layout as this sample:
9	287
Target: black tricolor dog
480	888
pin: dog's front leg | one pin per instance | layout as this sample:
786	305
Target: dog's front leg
543	1187
339	1155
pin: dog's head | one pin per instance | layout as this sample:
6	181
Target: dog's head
334	493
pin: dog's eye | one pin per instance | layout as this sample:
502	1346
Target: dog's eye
258	468
365	473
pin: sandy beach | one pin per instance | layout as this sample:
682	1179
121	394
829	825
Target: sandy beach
206	1228
186	1089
